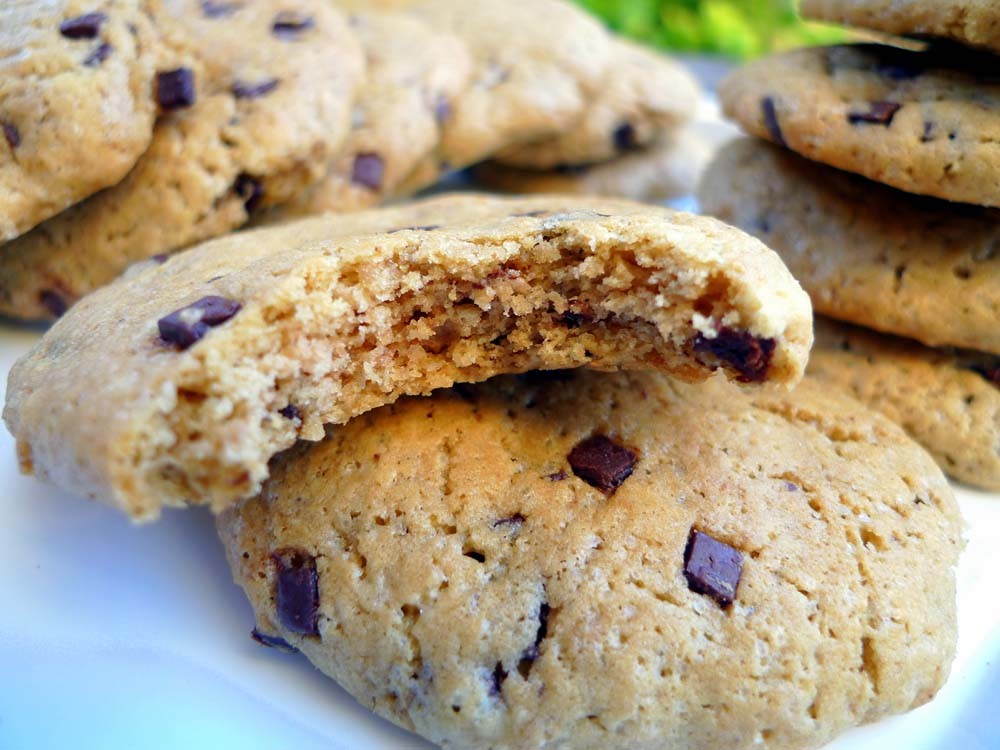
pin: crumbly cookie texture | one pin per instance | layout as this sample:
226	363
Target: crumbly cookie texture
974	22
536	66
414	75
927	122
949	401
179	382
665	170
644	95
257	96
76	102
916	267
768	569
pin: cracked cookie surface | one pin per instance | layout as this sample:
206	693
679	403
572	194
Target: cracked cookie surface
927	122
867	254
596	560
175	384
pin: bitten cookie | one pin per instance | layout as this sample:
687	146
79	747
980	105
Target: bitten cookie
255	98
975	22
76	102
644	96
916	267
227	353
925	122
611	560
414	74
948	401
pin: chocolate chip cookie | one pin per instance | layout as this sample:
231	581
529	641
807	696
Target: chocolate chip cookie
644	95
947	400
917	267
76	102
254	98
611	560
975	22
926	122
177	383
414	74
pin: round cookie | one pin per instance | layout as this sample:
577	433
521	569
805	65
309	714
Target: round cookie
947	401
414	73
536	65
227	353
660	172
973	22
644	94
926	122
258	97
899	263
76	102
611	560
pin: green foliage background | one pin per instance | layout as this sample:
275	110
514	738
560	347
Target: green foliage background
736	28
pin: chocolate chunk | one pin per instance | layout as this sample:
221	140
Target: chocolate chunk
712	568
879	113
602	463
273	641
217	9
498	677
289	24
250	190
291	412
101	53
368	170
749	355
11	134
770	113
53	302
86	26
531	653
175	89
297	595
184	327
557	476
160	258
578	314
245	90
625	138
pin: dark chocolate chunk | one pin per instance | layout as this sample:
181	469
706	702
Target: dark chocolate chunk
273	641
250	190
602	463
247	90
86	26
175	88
297	594
368	170
770	113
101	53
499	675
11	134
531	653
749	355
879	113
53	302
557	476
289	24
184	327
442	109
625	138
160	258
291	412
712	568
218	8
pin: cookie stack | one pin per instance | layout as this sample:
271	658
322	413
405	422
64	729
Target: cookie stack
134	128
880	189
648	556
